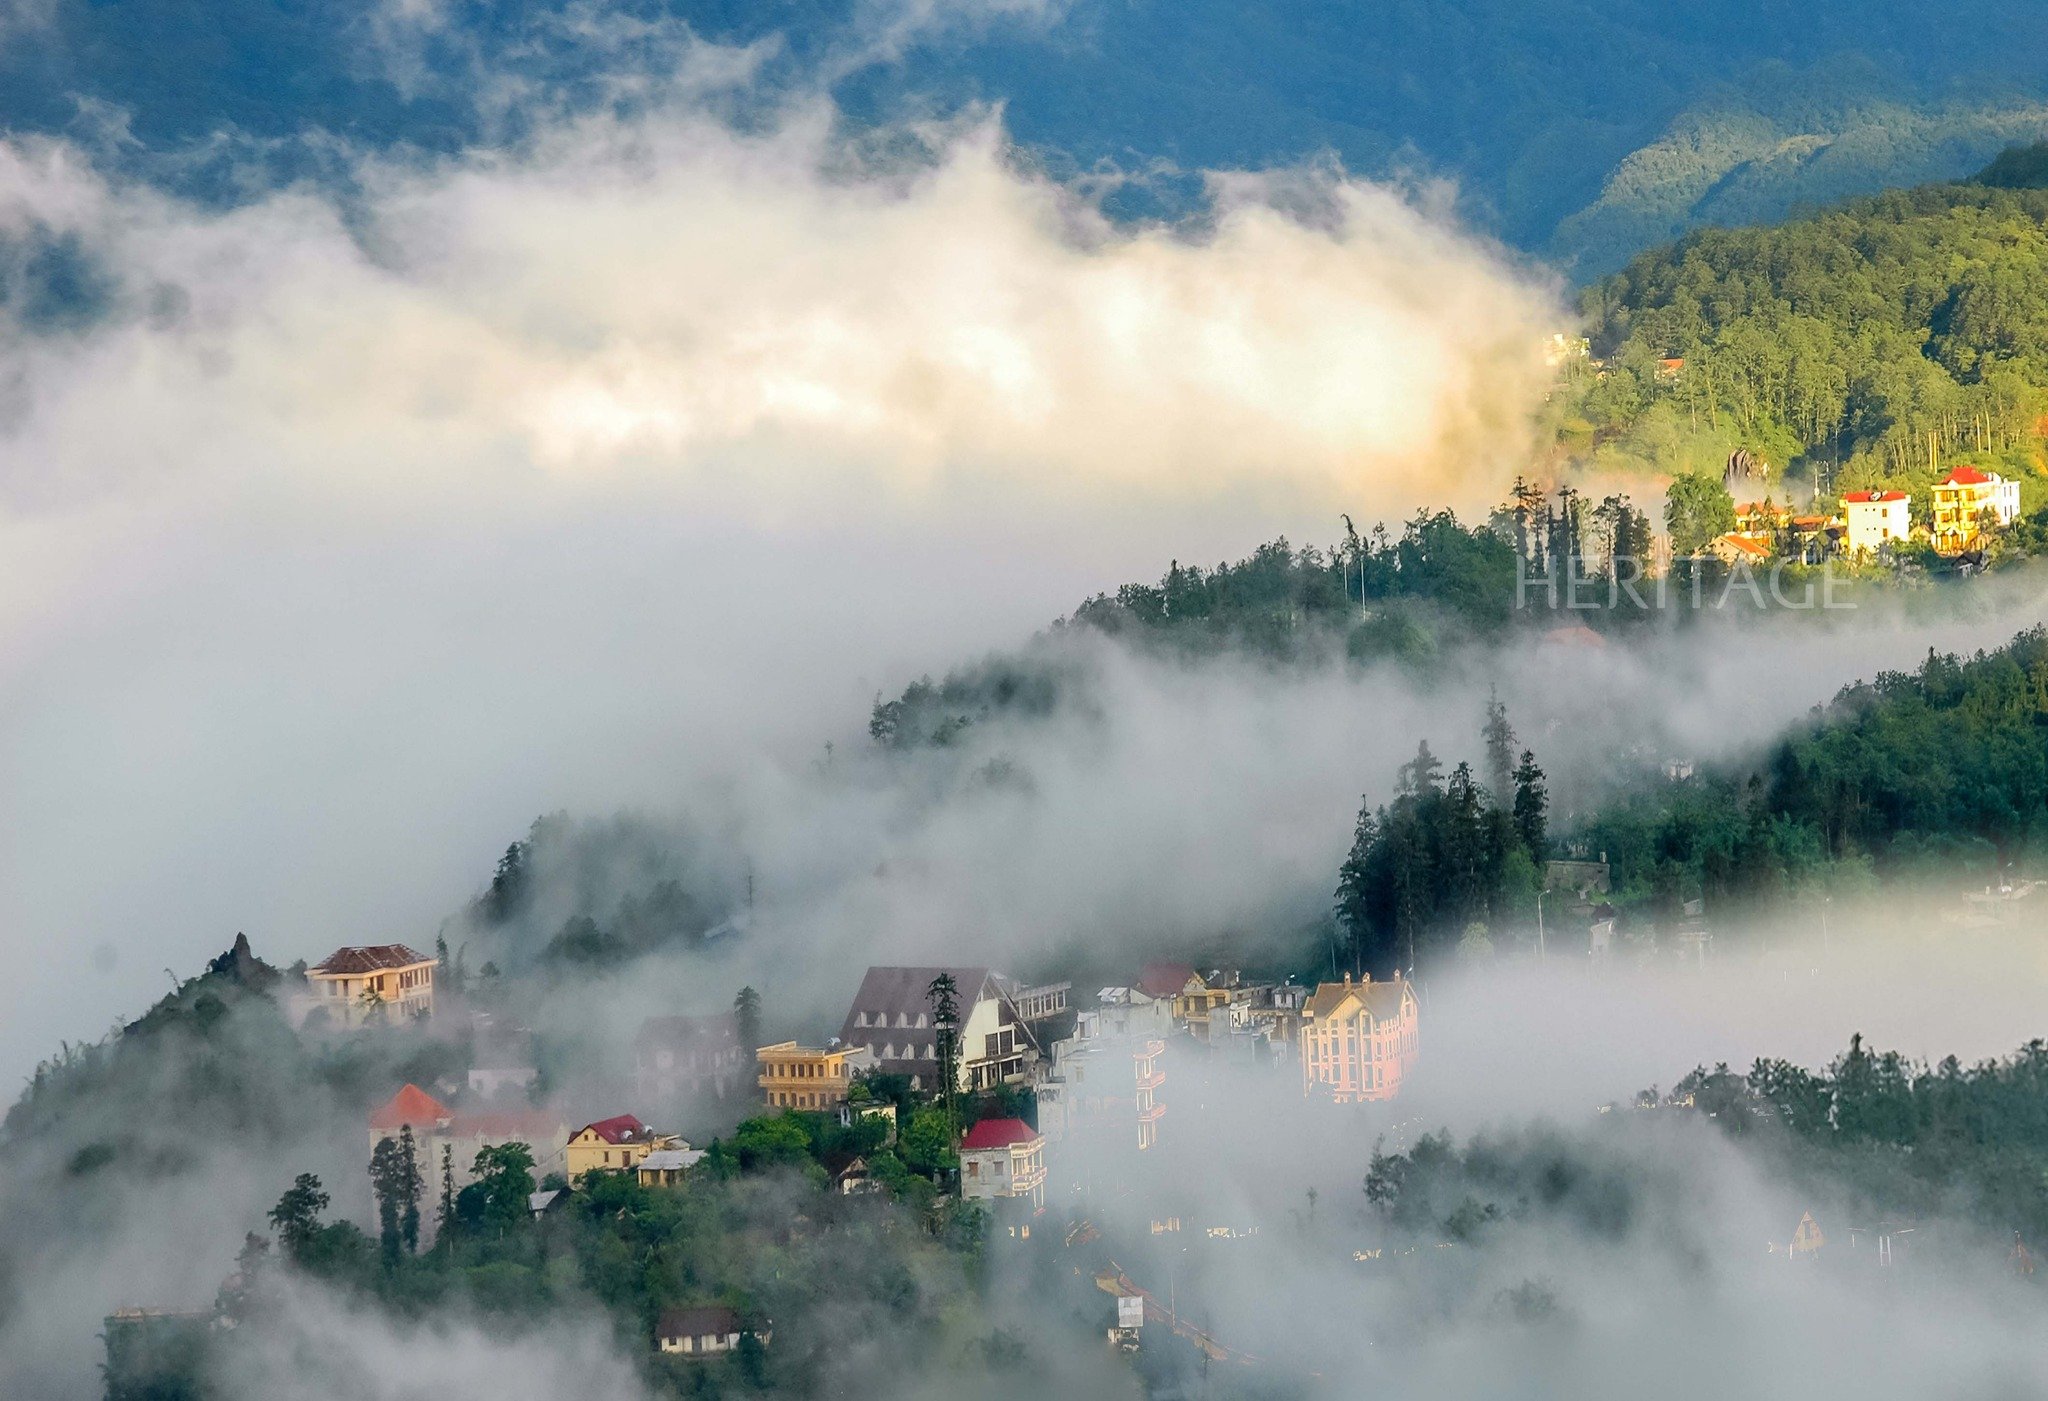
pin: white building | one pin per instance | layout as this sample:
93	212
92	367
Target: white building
1874	517
1003	1158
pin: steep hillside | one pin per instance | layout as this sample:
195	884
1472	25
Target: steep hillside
1877	343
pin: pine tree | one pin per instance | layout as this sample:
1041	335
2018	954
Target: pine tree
1420	774
1500	750
1355	883
746	1011
411	1184
444	1216
1532	804
385	1172
944	997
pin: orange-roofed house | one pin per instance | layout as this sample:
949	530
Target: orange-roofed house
1358	1039
1965	500
1003	1158
367	983
616	1144
1738	548
1875	518
436	1127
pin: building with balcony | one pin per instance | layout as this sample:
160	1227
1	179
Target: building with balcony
807	1077
1003	1159
1103	1082
1967	500
1358	1039
366	984
892	1017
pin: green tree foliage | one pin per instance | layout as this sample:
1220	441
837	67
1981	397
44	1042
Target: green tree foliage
296	1217
1941	769
1696	509
746	1011
502	1182
944	997
1878	344
1442	856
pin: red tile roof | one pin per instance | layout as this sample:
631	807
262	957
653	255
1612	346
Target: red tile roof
1874	496
620	1128
411	1105
369	959
998	1133
1164	979
1965	476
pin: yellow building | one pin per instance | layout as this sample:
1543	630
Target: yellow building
1965	500
805	1077
1191	996
1358	1040
371	983
617	1144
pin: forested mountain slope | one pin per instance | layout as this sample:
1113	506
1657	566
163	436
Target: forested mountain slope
1877	343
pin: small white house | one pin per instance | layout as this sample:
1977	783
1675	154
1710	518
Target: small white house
705	1330
1871	518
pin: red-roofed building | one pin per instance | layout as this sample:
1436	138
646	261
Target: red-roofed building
1875	518
1003	1158
411	1105
1737	548
366	984
1965	501
1168	980
1192	996
436	1127
616	1144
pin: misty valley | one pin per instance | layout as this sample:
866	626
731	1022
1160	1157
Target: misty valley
1036	699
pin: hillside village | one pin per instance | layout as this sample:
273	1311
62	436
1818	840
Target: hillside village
996	1057
951	1084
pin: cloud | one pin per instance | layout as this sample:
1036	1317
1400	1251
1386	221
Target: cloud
343	534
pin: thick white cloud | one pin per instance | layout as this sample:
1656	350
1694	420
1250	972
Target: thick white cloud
355	533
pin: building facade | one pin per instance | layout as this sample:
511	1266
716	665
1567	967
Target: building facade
617	1144
1103	1081
366	984
1965	500
807	1077
708	1330
435	1128
676	1059
1359	1039
1003	1159
1874	519
892	1017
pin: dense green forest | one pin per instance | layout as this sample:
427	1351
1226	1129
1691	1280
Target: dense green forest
1875	344
1964	1147
1448	857
1939	771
